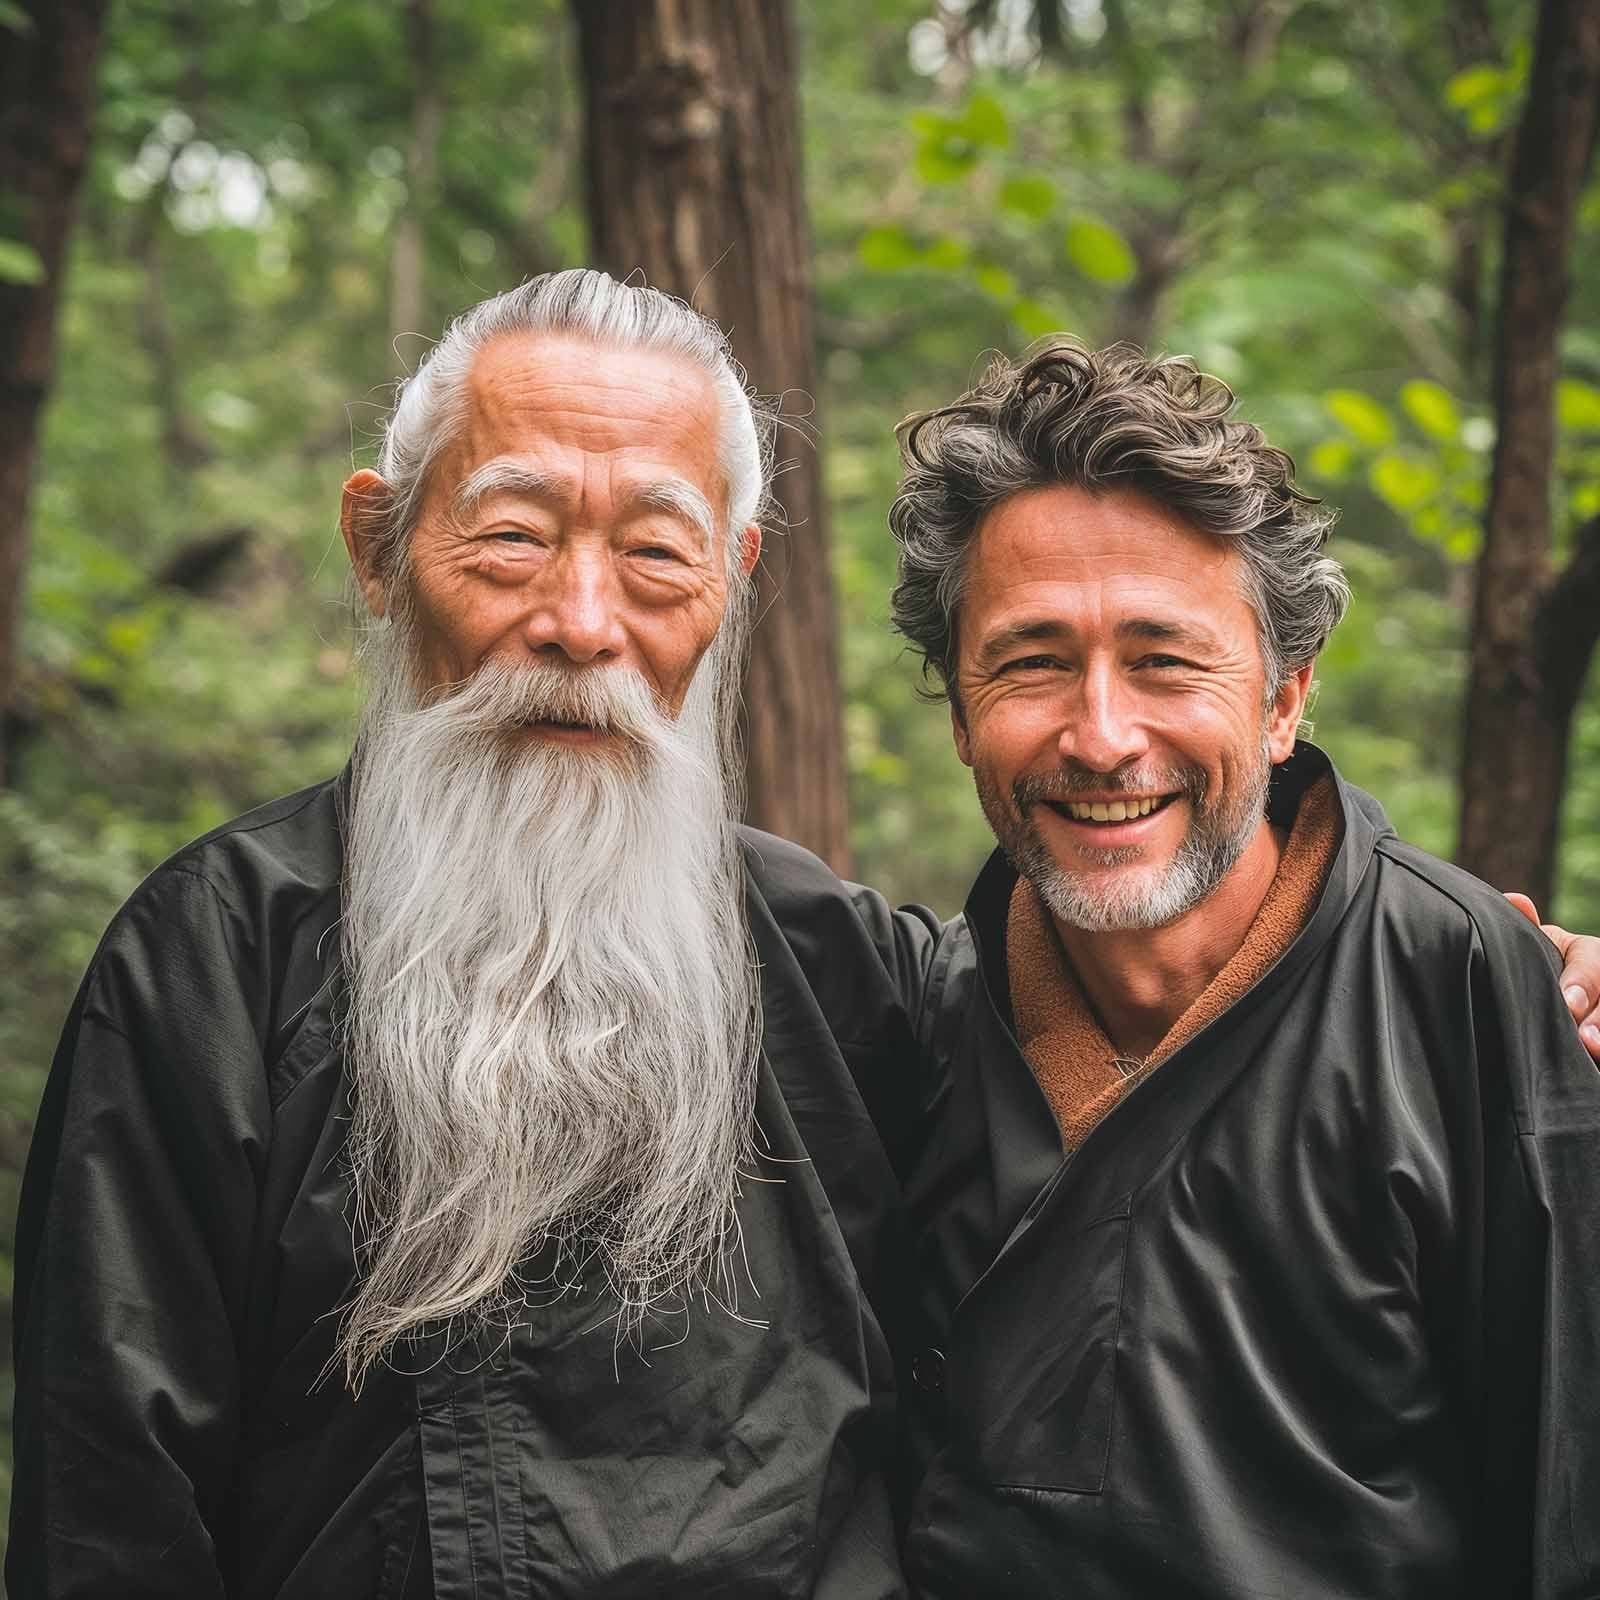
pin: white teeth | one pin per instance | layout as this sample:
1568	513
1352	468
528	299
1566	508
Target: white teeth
1111	810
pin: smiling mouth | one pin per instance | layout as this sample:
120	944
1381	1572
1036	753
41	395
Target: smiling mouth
1129	809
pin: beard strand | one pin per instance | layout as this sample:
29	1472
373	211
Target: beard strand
553	1021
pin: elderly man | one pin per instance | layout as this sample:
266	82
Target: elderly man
1259	1166
452	1180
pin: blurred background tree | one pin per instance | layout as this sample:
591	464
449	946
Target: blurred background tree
283	198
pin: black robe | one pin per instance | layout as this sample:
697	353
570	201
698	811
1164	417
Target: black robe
1314	1311
183	1244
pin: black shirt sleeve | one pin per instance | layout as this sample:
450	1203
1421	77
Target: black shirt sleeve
133	1246
1540	1377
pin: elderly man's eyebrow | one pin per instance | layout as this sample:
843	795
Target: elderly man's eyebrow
501	476
678	498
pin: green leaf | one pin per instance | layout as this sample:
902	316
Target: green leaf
1473	86
946	254
1404	482
1433	408
1333	458
1033	320
1360	415
888	249
1585	501
19	263
945	160
1577	405
985	122
12	16
996	282
1030	197
1099	252
1464	542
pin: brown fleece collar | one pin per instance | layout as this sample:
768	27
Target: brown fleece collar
1066	1047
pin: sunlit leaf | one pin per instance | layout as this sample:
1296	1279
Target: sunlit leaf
1577	405
1360	415
1030	197
888	249
996	281
946	254
985	122
1098	251
1433	408
1464	542
1473	85
1333	458
1033	320
19	263
945	160
1403	481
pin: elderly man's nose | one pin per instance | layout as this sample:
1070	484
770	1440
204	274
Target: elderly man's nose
576	613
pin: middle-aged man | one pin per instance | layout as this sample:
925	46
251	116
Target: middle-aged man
452	1180
1258	1229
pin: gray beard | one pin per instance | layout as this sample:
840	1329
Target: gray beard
554	1008
1130	899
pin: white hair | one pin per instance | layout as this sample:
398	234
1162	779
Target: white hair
581	303
554	1012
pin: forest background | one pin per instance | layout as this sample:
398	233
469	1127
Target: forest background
1317	199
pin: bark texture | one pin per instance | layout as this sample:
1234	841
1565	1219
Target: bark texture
1533	633
47	88
407	284
693	171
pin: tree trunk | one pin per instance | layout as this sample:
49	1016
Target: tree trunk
1524	682
407	286
693	158
47	82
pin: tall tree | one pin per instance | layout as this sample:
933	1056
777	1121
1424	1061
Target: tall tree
407	284
1533	632
48	50
693	169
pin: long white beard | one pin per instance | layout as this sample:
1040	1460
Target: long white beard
554	1008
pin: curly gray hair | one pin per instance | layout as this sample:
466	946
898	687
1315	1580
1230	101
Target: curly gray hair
1100	420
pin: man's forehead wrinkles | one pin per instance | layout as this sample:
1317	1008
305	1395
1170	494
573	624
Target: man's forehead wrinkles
669	493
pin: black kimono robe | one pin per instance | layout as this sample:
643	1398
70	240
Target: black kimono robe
183	1243
1314	1311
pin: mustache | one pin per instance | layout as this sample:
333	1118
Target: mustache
499	699
1073	779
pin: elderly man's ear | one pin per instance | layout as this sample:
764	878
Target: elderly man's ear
363	512
751	551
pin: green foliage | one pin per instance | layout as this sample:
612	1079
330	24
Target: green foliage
225	350
19	263
1099	252
1488	95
